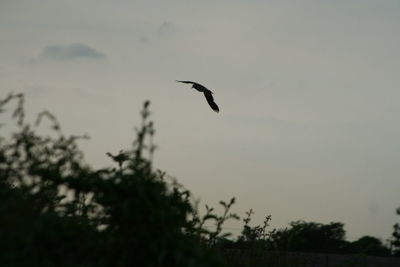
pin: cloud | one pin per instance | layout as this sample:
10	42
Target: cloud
166	29
69	52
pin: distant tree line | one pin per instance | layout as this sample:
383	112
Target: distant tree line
57	210
303	236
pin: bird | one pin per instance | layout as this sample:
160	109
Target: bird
207	93
120	158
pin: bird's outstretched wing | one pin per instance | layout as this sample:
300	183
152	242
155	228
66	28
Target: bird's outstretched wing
196	86
210	100
185	82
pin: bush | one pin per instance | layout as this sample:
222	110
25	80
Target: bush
396	237
310	237
369	245
56	210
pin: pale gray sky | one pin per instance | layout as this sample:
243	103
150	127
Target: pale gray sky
308	92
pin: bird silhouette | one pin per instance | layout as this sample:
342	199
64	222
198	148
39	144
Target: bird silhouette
207	93
120	158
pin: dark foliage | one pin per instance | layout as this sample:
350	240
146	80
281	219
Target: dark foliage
56	210
368	245
254	237
310	237
396	237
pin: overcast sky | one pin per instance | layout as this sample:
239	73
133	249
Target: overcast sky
308	90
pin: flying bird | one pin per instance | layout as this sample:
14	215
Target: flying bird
207	93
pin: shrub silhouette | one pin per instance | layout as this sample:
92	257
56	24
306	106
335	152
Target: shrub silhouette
396	237
369	245
56	210
310	237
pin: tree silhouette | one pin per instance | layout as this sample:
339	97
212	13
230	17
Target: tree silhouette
56	210
369	245
310	237
396	237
